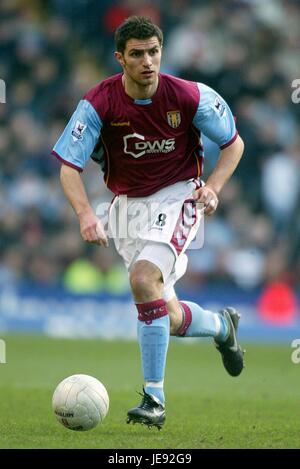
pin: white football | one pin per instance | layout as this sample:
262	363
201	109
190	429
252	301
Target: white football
80	402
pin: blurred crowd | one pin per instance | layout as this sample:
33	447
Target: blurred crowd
53	51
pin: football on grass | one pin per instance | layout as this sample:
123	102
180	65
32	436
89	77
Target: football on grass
80	402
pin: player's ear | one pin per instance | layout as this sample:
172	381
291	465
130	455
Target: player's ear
119	57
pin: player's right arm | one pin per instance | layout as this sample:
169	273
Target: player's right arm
73	149
91	228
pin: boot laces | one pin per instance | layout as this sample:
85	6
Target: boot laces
147	402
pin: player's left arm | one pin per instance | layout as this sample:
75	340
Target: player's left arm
214	118
227	162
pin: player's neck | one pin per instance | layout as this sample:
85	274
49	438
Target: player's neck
137	91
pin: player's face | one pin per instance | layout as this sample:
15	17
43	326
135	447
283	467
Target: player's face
141	60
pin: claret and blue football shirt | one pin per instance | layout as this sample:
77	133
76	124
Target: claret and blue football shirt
145	145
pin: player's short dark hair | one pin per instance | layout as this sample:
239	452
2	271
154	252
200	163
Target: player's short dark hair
136	27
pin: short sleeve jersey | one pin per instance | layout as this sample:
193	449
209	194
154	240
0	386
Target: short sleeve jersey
145	145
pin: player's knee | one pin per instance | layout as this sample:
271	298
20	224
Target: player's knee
141	284
145	279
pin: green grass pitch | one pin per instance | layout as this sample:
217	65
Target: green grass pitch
206	408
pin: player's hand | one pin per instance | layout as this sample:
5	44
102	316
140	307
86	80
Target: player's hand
208	197
92	230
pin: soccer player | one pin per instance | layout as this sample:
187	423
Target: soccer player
144	129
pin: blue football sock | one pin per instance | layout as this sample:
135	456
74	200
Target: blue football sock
154	340
205	323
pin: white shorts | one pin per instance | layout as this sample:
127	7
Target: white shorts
158	228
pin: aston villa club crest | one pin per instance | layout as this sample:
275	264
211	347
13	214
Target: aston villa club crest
174	119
